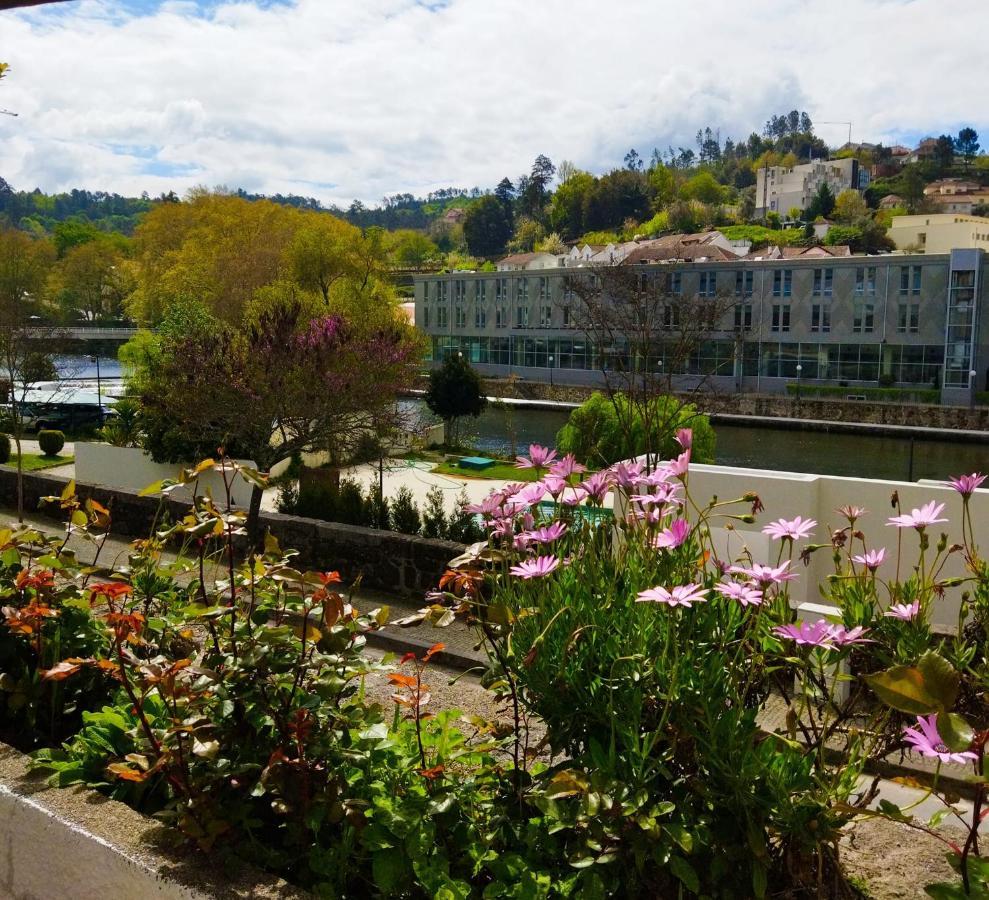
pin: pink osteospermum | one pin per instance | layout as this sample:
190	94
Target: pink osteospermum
794	529
967	484
765	575
539	457
548	533
672	537
681	595
852	513
596	487
679	467
743	593
919	518
685	437
554	484
926	739
531	493
626	475
871	559
907	612
843	636
813	634
535	568
567	466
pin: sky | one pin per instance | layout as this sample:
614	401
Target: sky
358	99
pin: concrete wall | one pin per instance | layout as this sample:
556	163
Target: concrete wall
131	469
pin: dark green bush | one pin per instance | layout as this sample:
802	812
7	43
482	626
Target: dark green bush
51	442
434	515
405	513
4	448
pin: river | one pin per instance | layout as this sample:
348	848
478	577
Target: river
824	453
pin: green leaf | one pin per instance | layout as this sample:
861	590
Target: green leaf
955	731
940	678
685	872
903	688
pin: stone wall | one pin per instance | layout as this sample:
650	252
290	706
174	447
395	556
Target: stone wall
384	560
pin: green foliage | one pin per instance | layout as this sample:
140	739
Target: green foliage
123	428
4	448
434	521
455	391
605	430
461	527
703	187
405	516
883	394
51	442
760	236
487	227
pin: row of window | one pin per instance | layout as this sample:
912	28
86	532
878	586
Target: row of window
672	282
907	364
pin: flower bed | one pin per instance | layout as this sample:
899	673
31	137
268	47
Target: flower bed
235	708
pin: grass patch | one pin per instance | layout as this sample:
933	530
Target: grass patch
32	462
503	471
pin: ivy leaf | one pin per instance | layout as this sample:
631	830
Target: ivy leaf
955	731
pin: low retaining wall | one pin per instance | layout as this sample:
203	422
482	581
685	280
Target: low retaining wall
58	842
384	560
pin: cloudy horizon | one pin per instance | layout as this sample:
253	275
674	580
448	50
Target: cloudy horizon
343	101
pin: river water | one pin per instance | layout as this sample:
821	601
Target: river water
824	453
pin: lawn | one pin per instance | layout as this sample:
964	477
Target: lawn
34	461
503	471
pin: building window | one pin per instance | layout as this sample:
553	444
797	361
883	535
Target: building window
480	316
459	290
425	317
441	317
441	291
908	318
820	317
671	316
782	282
479	291
863	317
823	282
522	290
865	282
567	323
676	283
544	289
545	316
743	284
910	279
743	317
781	317
521	316
708	282
501	290
459	316
501	316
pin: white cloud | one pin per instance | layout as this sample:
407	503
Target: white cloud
339	100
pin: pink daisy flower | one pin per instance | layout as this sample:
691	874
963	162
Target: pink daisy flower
685	437
535	568
548	533
743	593
926	739
539	457
679	467
871	559
626	475
967	484
794	529
905	611
672	537
596	487
567	466
681	595
919	518
766	575
554	484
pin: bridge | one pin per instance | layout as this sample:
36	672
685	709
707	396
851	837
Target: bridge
84	332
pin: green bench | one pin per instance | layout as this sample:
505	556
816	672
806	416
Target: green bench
476	463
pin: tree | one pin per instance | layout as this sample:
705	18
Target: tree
617	196
633	162
487	227
603	430
528	233
505	192
533	193
455	391
412	249
92	281
662	184
291	378
566	211
565	171
703	187
967	144
944	153
822	203
849	207
25	263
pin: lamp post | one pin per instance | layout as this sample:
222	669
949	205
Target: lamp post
800	369
971	388
551	370
99	388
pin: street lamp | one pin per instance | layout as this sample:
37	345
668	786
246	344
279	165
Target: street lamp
971	388
99	388
551	370
800	369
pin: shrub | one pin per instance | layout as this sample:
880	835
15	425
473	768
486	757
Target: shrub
51	442
405	513
434	515
4	448
461	526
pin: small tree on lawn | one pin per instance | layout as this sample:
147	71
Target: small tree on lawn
454	392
